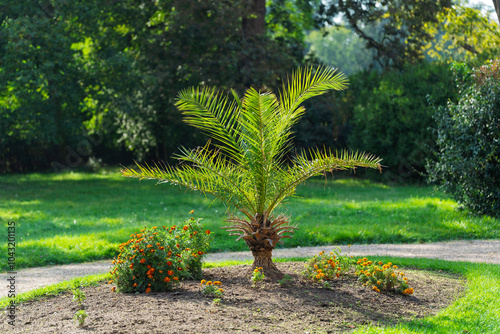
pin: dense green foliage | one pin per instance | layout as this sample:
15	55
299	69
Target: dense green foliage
55	228
98	79
157	258
400	26
468	152
392	114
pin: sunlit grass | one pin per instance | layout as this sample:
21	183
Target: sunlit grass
78	217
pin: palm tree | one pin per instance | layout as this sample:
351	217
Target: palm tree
246	166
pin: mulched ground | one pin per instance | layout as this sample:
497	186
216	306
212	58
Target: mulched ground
298	307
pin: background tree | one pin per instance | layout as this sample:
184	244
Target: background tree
402	32
247	168
468	150
463	34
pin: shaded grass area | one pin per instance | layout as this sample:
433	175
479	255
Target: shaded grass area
78	217
478	311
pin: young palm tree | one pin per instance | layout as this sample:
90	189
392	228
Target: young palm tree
246	167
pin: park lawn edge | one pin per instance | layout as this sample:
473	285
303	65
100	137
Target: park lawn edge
477	310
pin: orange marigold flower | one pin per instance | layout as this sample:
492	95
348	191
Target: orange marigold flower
131	266
175	279
149	246
110	282
152	251
169	254
209	283
221	290
191	212
170	272
161	248
135	284
380	262
203	282
148	290
143	260
200	252
177	245
169	263
179	268
154	227
207	231
185	228
167	279
113	289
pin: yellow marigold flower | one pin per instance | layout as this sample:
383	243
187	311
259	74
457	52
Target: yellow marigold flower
113	289
209	283
256	270
393	275
203	281
221	290
110	282
191	212
365	259
380	263
217	283
369	262
395	267
374	288
378	282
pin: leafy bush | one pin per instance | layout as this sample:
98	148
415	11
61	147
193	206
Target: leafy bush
392	114
382	276
324	267
468	153
157	258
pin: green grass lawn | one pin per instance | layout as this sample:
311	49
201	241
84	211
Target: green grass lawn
78	217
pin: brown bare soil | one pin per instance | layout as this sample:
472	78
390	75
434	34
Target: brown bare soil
297	307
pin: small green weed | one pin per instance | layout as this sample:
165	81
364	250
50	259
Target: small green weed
257	276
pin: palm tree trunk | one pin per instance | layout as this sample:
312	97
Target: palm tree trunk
263	257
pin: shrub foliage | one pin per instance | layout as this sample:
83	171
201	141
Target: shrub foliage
156	259
468	154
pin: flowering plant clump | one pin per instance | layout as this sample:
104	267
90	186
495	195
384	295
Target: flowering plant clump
324	267
257	276
382	276
211	289
156	259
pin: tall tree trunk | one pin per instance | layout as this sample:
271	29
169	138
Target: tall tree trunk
254	21
496	3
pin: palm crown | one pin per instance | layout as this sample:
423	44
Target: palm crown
245	167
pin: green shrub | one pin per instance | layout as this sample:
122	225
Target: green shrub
392	114
382	277
324	267
157	258
468	145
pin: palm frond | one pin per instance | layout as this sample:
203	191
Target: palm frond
211	112
317	163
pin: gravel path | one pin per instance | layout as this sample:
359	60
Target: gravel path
486	251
